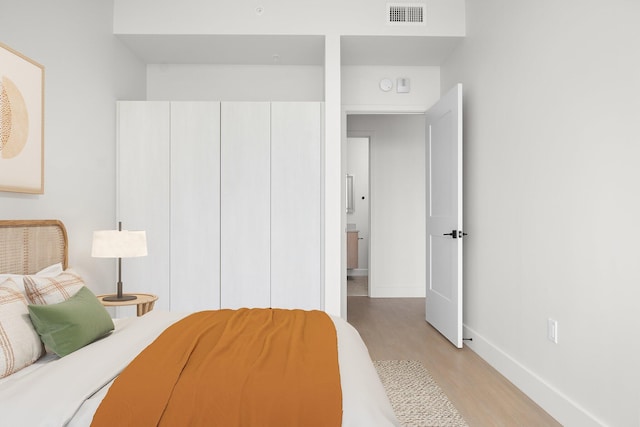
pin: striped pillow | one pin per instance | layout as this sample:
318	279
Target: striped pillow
52	290
50	271
20	344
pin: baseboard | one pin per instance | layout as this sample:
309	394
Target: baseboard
358	272
555	403
396	291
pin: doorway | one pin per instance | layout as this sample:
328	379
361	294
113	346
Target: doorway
357	202
399	170
396	246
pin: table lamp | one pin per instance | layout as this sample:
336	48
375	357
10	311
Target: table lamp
119	244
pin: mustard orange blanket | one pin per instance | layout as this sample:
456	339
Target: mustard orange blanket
248	367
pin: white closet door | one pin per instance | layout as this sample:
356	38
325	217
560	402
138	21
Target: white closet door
245	205
143	193
195	206
295	205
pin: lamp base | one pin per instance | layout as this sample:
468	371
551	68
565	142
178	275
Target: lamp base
117	298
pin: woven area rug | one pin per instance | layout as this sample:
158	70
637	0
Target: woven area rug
416	398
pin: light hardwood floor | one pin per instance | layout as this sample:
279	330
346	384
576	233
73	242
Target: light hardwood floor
395	329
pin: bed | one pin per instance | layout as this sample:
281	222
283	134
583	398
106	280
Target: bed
72	389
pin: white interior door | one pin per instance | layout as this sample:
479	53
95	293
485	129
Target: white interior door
444	215
195	206
245	200
295	205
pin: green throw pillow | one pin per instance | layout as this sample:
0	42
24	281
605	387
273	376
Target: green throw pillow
69	325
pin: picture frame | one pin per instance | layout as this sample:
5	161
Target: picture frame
21	123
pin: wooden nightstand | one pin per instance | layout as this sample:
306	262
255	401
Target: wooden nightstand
144	302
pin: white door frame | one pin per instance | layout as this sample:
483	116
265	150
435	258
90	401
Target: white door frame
369	135
359	110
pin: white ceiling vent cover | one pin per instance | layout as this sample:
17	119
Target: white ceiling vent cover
405	13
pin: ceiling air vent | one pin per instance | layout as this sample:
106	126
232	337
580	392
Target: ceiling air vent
405	13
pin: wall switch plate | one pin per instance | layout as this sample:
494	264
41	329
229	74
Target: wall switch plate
403	85
552	330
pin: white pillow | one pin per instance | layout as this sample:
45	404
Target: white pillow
52	290
50	271
21	345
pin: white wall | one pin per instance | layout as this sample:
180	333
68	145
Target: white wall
86	70
552	100
361	86
185	82
335	244
397	201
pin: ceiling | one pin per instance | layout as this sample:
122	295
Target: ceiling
288	49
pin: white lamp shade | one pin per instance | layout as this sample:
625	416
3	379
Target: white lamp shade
119	244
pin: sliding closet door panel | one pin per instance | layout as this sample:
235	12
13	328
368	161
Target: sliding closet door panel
245	200
295	205
195	206
143	193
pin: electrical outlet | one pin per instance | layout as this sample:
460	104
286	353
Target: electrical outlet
552	330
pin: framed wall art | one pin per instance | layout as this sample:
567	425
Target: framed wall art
21	123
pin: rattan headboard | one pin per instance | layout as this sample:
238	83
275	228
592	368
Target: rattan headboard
28	246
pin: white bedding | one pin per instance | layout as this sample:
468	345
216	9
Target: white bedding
66	391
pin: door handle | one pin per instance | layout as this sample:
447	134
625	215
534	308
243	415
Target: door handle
454	234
